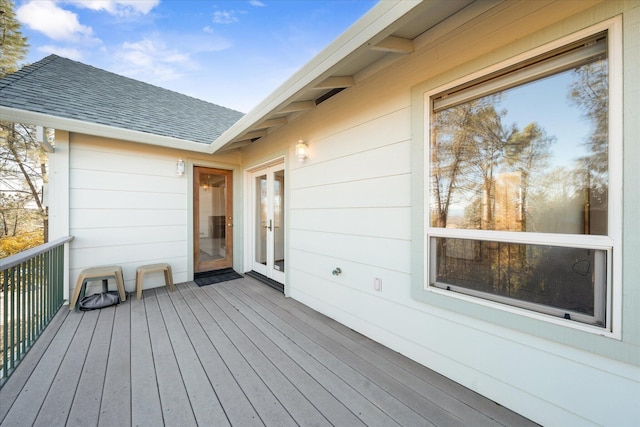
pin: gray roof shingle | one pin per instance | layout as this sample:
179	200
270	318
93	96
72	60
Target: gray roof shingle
64	88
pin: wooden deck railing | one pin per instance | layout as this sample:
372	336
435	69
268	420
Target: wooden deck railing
32	292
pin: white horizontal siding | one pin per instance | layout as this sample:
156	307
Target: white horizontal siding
384	222
389	191
127	199
127	207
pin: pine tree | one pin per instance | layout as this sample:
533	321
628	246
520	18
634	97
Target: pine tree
22	161
13	46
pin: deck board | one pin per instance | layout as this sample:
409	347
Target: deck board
205	404
235	349
27	406
236	353
332	409
85	409
237	407
146	409
393	408
176	408
12	389
55	408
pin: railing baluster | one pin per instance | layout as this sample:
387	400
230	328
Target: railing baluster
5	319
32	285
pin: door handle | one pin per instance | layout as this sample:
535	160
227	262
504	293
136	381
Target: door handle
270	227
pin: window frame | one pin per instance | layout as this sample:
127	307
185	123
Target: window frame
611	243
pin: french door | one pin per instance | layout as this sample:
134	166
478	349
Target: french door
269	222
213	219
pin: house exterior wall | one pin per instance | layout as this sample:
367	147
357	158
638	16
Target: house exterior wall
126	205
357	203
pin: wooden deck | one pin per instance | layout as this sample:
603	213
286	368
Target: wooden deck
236	353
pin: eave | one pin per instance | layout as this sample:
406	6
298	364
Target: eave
80	126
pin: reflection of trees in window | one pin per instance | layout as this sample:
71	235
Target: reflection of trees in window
475	156
590	92
487	174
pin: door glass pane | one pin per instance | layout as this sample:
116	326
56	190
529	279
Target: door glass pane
212	212
278	219
261	220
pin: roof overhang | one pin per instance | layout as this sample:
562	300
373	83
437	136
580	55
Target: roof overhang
79	126
390	31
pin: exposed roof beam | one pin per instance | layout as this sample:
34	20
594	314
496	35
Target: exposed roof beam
298	106
271	123
394	44
335	82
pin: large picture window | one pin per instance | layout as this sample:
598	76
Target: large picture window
519	185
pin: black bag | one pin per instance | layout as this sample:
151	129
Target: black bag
95	301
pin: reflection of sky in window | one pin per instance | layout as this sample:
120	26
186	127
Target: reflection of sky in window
546	102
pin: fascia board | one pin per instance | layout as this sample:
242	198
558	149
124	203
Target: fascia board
79	126
359	34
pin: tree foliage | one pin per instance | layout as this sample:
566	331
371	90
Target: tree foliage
23	217
13	46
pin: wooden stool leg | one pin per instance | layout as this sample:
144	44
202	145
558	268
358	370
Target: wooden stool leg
120	283
168	278
76	292
139	279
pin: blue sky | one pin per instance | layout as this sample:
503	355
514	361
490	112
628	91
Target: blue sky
231	53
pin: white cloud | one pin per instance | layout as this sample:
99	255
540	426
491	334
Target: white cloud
151	59
53	21
224	17
208	29
257	3
118	7
66	52
166	56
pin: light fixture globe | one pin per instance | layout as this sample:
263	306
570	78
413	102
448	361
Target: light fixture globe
302	150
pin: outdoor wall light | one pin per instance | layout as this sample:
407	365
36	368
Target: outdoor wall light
302	150
180	167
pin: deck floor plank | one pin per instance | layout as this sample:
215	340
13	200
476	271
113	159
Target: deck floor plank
176	408
326	352
205	404
146	409
26	407
265	338
253	345
115	408
236	353
419	395
261	396
85	409
12	389
237	407
306	356
55	408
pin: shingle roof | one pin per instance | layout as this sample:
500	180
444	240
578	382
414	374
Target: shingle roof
64	88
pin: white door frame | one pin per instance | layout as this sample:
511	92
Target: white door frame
250	221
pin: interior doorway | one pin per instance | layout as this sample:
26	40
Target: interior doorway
213	219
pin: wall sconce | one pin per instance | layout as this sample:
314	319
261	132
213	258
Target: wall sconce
302	150
180	167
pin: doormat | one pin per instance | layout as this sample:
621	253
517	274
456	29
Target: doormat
218	276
